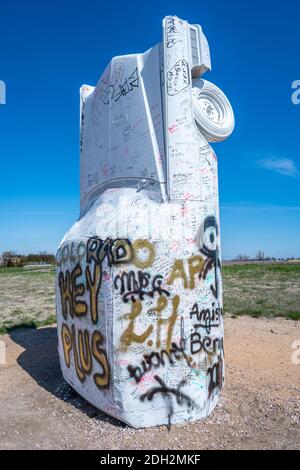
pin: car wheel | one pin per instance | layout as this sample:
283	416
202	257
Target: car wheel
212	111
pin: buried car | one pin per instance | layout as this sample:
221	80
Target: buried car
139	286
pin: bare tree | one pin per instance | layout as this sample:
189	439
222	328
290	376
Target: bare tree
242	258
260	255
9	254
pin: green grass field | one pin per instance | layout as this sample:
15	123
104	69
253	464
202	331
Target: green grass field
272	290
27	298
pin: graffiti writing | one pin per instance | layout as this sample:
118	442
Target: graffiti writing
85	347
169	392
116	251
129	336
178	78
72	289
209	247
134	284
156	359
207	318
215	374
207	344
173	31
195	266
114	92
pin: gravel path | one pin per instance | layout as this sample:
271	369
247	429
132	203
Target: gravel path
259	408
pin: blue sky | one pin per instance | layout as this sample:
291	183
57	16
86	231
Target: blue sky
48	49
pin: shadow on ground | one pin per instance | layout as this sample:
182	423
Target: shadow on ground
41	361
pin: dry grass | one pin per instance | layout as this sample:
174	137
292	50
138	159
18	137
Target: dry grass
271	290
27	298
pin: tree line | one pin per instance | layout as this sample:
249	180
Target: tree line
12	258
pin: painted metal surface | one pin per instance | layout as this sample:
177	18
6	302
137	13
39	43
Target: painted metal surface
139	288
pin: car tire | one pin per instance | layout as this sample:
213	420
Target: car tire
212	111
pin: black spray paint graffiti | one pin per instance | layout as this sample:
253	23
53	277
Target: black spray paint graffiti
114	92
79	291
117	251
209	248
173	32
169	393
82	126
215	374
207	318
132	285
155	360
178	77
72	291
206	344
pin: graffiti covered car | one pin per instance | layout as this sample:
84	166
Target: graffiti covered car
139	287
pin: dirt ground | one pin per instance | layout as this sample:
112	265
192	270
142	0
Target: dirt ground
259	408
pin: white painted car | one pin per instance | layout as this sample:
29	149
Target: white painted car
139	288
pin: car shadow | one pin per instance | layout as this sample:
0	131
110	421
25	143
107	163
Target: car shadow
41	361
